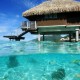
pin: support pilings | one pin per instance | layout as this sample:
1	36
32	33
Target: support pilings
39	37
70	37
43	37
77	35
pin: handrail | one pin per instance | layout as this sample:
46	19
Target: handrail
29	24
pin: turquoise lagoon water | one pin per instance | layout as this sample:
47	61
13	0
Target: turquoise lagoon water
39	60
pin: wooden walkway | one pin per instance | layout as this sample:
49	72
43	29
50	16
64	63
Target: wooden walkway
13	37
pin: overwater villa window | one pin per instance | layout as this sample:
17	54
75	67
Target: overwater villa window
51	16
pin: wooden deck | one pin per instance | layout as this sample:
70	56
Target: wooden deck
34	28
19	37
12	37
29	29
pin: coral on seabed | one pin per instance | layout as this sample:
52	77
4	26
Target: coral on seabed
12	62
58	75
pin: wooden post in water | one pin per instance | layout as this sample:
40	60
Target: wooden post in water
43	37
77	35
39	37
70	37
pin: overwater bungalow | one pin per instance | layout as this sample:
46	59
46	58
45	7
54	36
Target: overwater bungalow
54	17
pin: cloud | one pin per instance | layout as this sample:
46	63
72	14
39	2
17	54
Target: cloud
8	23
8	20
32	3
28	3
3	29
3	39
29	37
2	15
17	16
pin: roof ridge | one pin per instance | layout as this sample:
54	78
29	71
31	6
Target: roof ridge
60	0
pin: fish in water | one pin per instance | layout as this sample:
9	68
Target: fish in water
77	62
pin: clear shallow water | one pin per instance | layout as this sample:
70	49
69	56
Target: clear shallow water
40	67
39	61
16	48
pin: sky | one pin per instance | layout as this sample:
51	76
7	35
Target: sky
11	16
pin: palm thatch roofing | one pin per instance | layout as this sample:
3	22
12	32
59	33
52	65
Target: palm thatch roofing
53	6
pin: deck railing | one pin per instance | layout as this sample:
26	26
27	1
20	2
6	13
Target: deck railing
29	24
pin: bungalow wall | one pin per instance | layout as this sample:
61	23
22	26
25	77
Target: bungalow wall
68	18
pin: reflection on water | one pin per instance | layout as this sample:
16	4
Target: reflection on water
16	48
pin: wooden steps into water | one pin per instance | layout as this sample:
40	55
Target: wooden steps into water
19	37
13	37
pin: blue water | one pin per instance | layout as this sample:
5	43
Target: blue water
39	60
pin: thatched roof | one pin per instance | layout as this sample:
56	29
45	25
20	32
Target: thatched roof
53	6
